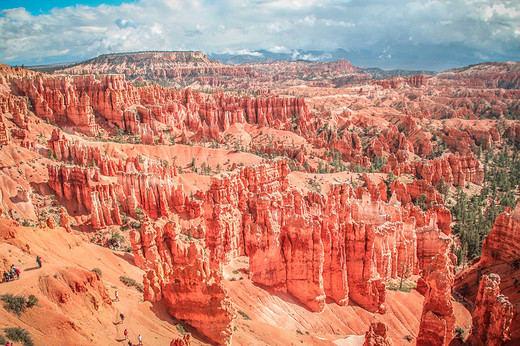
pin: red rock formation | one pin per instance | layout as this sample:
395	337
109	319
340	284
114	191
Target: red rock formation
178	274
493	314
72	286
17	106
437	321
345	247
64	220
377	335
500	254
502	244
72	100
84	186
451	169
5	137
184	341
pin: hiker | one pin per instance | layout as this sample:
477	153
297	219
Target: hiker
17	271
6	276
140	338
117	296
39	261
122	317
126	334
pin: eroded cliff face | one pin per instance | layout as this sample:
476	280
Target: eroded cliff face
438	318
377	335
493	281
341	244
493	314
72	101
179	275
314	246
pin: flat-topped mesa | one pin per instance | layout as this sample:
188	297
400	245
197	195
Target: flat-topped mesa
438	318
493	314
179	275
157	65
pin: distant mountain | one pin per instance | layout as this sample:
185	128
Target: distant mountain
312	56
378	73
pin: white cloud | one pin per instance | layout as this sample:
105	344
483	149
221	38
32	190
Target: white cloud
279	49
459	30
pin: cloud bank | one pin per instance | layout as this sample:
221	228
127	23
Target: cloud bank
389	34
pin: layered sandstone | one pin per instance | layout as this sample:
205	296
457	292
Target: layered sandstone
179	275
450	169
346	243
493	314
437	321
73	100
377	335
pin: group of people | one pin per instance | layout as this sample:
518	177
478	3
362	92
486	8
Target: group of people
12	274
125	333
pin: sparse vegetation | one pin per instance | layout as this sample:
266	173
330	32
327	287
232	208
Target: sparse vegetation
131	283
97	271
181	328
244	315
406	286
18	334
18	304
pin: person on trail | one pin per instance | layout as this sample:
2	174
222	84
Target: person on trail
117	296
140	338
17	271
122	317
126	334
39	261
6	276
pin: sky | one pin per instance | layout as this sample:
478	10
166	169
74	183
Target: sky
431	35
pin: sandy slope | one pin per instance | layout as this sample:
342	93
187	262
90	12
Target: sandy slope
77	321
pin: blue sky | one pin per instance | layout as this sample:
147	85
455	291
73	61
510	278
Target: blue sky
418	34
42	7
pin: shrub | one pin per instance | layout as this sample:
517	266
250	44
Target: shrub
3	340
244	315
139	213
19	334
16	304
131	283
181	328
97	271
32	301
